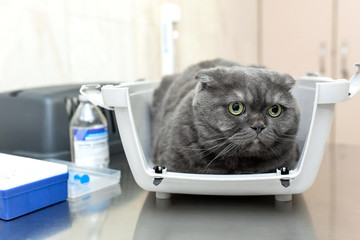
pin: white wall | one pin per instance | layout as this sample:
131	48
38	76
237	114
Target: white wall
50	42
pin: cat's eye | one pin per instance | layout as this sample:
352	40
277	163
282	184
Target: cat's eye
275	110
236	108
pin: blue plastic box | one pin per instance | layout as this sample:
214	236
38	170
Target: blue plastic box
27	185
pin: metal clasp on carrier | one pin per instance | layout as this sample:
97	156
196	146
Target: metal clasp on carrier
284	181
159	170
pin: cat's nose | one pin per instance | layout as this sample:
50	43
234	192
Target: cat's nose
258	127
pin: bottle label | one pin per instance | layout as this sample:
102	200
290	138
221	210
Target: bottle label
91	147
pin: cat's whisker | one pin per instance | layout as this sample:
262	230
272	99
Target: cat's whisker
214	140
203	171
204	149
186	148
217	147
221	153
210	150
284	139
283	136
234	149
228	149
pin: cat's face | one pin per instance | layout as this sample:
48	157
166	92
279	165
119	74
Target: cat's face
249	109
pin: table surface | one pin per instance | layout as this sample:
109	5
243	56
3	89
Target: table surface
328	210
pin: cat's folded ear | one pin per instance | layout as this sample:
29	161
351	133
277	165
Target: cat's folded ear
204	77
288	80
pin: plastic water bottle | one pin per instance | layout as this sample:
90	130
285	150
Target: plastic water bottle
89	135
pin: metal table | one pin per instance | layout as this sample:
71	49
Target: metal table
329	210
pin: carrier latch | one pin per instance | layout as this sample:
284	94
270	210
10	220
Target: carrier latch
285	181
160	170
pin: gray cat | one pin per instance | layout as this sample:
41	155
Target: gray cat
218	117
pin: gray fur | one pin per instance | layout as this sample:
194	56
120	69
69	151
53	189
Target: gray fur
194	132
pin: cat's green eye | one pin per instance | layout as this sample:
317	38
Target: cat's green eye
275	110
236	108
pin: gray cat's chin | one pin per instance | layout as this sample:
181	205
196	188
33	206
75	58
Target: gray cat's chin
255	146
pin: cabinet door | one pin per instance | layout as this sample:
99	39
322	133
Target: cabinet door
294	33
348	113
225	29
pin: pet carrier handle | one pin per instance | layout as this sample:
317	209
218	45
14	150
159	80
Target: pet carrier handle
339	90
112	96
354	83
93	93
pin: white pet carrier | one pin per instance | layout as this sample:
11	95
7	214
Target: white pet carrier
316	96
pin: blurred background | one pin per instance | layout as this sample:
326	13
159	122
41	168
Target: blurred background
55	42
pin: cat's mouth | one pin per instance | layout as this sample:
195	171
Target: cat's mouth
250	142
252	145
256	145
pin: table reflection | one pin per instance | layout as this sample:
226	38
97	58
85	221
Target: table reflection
54	219
217	217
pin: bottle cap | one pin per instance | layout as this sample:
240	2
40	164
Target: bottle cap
83	98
